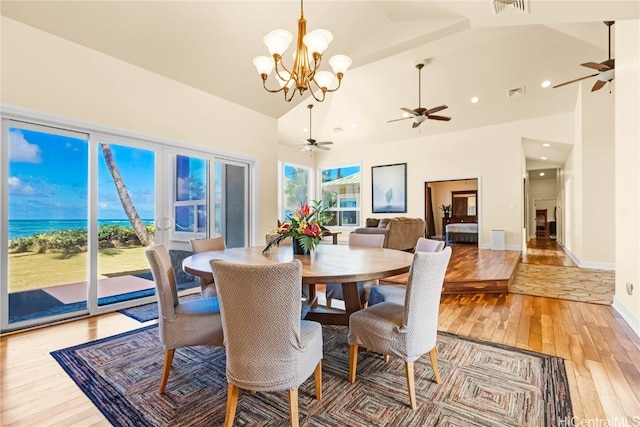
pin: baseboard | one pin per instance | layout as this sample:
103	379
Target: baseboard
507	248
587	264
627	314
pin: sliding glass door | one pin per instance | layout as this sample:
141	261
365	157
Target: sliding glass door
46	233
77	210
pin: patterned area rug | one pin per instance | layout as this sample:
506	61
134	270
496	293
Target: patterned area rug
570	283
144	313
483	384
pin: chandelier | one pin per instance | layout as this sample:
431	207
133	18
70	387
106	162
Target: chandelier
307	58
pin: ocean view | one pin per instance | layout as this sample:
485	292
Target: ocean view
29	227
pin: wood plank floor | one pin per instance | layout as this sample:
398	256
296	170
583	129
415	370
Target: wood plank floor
601	352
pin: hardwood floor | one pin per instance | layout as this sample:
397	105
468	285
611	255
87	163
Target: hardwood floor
601	352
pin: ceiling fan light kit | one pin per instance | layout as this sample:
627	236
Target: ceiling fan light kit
419	115
606	69
307	58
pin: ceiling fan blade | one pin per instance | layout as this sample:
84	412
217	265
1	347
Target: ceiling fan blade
435	109
308	141
599	84
611	63
576	80
324	143
406	110
443	118
397	120
596	66
322	147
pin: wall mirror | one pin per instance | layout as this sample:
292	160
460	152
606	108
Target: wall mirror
464	203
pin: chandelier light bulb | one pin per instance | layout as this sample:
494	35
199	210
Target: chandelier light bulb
277	41
317	41
325	79
263	64
340	63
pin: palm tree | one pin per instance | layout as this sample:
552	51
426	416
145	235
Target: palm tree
145	237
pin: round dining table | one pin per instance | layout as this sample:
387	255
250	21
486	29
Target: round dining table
326	264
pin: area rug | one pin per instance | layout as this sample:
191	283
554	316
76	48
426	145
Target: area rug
147	312
569	283
483	384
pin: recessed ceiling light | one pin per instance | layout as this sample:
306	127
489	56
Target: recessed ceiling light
354	125
546	83
541	173
475	100
405	114
546	145
543	158
305	129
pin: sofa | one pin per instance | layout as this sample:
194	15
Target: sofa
400	233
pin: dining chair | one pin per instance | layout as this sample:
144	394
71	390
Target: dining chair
269	348
395	293
207	289
181	323
334	290
406	330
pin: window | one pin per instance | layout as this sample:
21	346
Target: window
340	189
190	205
295	188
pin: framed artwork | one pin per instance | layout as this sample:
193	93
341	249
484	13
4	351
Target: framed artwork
389	188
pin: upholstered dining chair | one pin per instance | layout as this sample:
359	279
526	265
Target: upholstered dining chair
207	289
334	290
395	293
268	347
406	330
181	324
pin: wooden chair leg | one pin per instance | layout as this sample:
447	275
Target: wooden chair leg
293	407
232	403
168	358
386	358
408	367
318	380
353	362
329	302
433	354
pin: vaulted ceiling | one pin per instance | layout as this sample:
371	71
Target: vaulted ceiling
469	51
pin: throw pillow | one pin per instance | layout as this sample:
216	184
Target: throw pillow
383	223
372	222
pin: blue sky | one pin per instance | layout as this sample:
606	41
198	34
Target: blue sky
48	178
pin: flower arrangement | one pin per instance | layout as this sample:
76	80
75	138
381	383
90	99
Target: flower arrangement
303	226
446	209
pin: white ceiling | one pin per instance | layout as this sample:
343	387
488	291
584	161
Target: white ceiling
469	52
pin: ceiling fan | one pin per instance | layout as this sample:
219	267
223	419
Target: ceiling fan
605	69
420	114
311	144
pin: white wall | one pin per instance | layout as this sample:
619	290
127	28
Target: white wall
627	172
52	75
493	154
441	195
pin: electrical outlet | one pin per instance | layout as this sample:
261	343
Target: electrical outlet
629	288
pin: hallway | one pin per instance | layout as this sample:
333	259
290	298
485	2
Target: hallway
543	251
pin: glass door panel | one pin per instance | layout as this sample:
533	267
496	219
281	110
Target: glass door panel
46	216
126	213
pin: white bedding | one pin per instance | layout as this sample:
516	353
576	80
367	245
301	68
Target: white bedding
462	228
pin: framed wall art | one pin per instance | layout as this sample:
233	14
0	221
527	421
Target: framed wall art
389	188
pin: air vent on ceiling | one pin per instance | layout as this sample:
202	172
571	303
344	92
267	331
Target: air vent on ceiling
509	7
515	92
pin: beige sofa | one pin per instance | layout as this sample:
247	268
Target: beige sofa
400	233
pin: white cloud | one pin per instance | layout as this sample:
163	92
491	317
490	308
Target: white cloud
20	150
17	187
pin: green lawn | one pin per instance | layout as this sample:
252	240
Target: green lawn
36	271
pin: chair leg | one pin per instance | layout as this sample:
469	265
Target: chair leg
232	403
318	380
329	302
353	362
408	368
293	407
386	358
168	358
433	354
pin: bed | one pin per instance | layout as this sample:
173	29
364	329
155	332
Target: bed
462	233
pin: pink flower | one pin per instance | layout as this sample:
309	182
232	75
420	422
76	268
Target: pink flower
304	210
